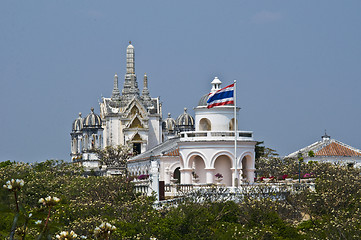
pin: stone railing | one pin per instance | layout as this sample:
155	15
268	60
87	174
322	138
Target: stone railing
210	135
142	186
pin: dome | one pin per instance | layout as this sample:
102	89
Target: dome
170	124
78	124
185	122
203	100
92	120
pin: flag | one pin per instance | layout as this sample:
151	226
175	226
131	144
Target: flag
223	96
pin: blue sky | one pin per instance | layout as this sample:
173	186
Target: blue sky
297	63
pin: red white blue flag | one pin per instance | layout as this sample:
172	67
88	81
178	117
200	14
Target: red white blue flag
223	96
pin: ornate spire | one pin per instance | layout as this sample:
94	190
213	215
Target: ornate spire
130	59
145	80
130	88
116	93
145	93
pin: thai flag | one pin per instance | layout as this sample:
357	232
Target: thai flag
223	96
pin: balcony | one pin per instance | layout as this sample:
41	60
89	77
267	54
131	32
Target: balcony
216	136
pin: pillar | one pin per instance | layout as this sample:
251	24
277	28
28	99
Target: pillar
209	175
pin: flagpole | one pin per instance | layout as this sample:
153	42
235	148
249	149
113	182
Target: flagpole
235	136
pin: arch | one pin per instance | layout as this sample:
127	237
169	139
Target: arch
223	166
198	166
177	174
231	124
74	146
205	124
247	169
188	163
228	154
249	155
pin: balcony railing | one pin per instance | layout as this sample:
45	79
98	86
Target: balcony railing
212	136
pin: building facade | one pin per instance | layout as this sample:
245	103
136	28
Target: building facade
188	150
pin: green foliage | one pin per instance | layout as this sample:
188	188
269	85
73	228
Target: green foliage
311	153
330	212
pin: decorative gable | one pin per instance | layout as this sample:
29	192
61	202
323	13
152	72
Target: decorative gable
136	123
137	137
135	108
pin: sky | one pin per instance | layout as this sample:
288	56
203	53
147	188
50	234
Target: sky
297	65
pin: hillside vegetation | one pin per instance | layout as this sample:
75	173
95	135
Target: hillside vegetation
330	212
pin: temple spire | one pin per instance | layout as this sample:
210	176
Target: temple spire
130	88
115	93
145	93
130	59
145	80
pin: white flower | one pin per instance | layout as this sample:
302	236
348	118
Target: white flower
14	184
38	222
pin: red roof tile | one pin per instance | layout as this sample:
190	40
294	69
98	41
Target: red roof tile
173	153
336	149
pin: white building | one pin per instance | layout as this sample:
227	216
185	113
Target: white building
329	150
188	150
195	157
125	118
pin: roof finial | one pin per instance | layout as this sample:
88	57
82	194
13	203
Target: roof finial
130	42
325	137
185	109
92	109
80	114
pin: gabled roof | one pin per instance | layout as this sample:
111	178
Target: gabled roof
328	148
336	148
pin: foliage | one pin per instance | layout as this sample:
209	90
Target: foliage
330	212
114	156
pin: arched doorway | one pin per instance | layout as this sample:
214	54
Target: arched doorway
223	165
177	175
198	166
247	165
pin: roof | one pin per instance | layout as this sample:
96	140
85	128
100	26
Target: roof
167	148
328	148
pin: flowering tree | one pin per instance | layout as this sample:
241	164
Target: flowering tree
114	156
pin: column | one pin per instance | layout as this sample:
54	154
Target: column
186	175
209	175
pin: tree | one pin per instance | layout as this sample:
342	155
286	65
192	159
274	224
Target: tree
114	156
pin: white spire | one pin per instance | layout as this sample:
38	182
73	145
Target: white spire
115	93
130	59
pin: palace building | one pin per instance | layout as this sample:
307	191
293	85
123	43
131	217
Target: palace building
188	150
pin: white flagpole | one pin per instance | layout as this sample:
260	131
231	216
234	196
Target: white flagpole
235	135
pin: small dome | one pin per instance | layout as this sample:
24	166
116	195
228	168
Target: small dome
78	124
170	124
203	100
92	120
185	122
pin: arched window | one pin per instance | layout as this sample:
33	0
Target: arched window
231	124
205	125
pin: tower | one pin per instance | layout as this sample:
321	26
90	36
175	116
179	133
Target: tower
131	118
